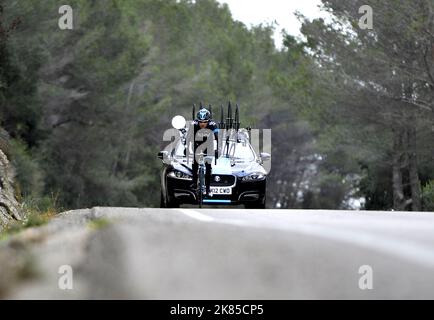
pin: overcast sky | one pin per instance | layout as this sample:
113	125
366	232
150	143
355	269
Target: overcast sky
260	11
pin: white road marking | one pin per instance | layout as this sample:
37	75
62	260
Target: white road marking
196	215
409	250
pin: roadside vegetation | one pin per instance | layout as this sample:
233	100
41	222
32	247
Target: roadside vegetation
37	212
428	196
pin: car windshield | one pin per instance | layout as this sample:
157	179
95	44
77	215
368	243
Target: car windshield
243	151
179	151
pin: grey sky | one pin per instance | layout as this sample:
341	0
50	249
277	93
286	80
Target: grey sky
260	11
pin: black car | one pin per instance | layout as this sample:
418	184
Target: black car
238	177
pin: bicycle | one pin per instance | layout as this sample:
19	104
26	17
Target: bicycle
201	186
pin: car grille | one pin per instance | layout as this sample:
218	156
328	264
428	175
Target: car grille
225	180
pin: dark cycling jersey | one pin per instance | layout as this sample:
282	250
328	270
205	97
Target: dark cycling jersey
203	138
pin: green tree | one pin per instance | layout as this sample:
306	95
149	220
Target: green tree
381	81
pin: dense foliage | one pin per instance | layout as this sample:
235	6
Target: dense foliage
87	108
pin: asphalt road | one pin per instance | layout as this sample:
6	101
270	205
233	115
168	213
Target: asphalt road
231	254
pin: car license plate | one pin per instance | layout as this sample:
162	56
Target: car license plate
221	190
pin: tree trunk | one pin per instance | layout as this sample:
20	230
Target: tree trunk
416	190
399	202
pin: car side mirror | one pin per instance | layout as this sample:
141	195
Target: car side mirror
265	156
162	155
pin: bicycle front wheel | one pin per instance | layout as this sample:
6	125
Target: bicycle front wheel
200	188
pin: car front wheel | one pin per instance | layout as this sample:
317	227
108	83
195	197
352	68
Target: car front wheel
162	203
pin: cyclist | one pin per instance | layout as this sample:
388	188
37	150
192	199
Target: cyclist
203	121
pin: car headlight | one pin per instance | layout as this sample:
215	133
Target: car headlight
180	175
254	177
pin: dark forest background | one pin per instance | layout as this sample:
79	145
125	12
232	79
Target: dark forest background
351	110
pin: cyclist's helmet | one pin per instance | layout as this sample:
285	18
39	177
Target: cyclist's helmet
203	115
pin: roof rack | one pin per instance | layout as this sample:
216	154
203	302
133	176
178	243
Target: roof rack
231	123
